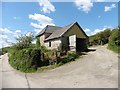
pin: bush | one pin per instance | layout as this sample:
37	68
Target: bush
5	50
1	53
100	38
114	41
38	42
71	56
51	55
44	49
26	60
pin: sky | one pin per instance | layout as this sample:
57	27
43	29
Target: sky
22	18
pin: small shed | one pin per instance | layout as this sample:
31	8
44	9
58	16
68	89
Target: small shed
71	37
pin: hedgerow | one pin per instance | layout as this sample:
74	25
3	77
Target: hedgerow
114	41
25	60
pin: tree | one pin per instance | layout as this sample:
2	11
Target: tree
101	37
23	42
106	33
37	42
114	39
104	36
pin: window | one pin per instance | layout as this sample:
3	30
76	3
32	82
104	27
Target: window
49	44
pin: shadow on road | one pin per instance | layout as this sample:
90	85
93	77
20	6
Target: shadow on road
89	50
85	52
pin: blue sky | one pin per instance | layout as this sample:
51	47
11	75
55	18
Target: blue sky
25	17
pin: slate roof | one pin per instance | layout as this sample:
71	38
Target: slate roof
49	29
57	32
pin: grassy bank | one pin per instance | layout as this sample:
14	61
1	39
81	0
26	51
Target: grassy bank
116	49
114	41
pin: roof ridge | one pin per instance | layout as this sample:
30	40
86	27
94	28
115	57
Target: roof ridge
53	26
59	28
62	31
68	28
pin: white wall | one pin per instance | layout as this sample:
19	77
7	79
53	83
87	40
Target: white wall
42	38
54	44
72	40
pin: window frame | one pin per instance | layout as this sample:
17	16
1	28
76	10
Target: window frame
49	43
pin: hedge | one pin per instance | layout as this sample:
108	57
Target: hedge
114	41
25	60
71	56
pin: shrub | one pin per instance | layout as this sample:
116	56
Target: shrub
5	50
71	56
114	41
1	53
100	38
26	60
60	48
51	54
44	49
38	42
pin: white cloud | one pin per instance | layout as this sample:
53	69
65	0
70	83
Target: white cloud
100	0
100	30
5	30
87	30
3	44
3	37
47	7
84	5
6	35
37	31
4	40
97	31
109	8
18	31
42	20
29	33
35	25
40	17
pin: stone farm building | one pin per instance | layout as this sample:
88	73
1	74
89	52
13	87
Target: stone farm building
71	37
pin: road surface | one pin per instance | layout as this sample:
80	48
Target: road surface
97	69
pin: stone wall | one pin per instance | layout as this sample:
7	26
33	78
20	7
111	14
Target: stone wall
54	44
42	38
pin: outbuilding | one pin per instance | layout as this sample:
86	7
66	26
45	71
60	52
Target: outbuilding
71	37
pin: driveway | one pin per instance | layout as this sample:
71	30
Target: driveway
97	69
